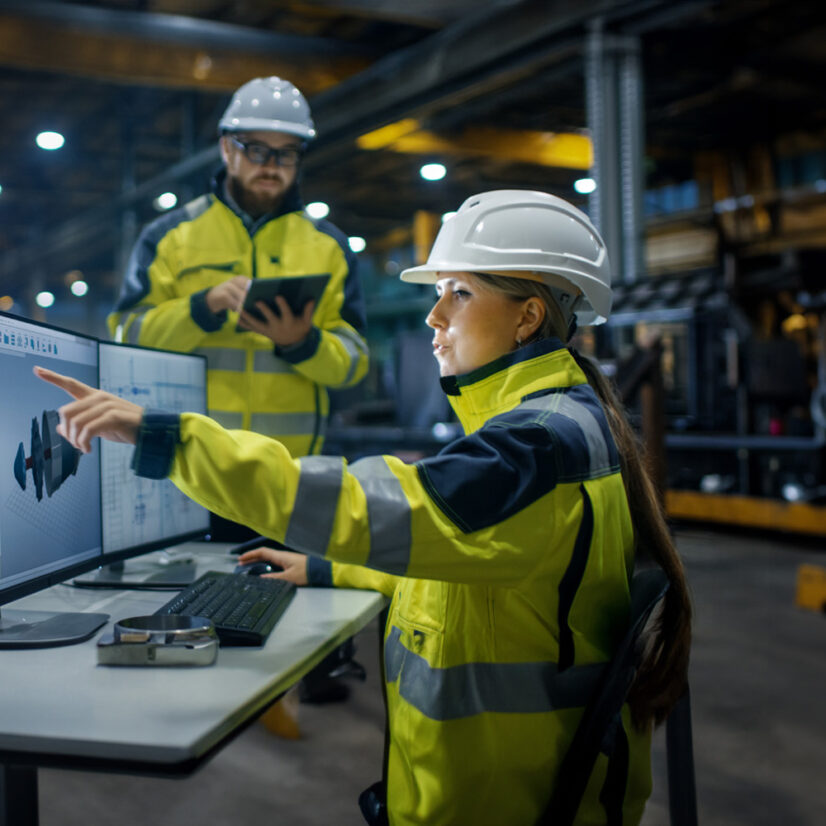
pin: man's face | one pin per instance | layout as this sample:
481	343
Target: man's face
258	188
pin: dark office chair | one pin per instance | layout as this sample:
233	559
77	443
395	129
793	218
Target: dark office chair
602	715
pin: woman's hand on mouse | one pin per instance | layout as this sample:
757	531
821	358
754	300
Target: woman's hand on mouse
293	566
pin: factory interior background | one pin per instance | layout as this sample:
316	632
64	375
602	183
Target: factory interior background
693	132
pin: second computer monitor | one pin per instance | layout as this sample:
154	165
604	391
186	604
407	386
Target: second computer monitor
137	512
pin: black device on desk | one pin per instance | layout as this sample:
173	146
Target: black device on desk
243	608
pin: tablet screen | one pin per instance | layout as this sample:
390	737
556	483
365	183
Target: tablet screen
297	291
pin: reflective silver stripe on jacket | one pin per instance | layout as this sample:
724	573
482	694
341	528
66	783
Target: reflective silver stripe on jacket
227	418
133	331
224	358
388	513
474	688
269	424
283	424
314	510
194	209
231	358
354	345
265	361
598	453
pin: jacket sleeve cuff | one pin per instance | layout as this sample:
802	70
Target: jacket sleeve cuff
208	321
296	353
319	572
158	436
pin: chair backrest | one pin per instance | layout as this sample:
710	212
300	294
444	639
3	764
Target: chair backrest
647	588
682	791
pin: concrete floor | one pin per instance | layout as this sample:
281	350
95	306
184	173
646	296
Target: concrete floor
758	681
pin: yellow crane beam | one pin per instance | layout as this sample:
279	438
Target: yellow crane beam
562	149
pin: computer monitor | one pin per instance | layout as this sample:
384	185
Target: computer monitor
50	525
139	514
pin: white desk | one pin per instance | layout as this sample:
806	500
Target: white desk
58	708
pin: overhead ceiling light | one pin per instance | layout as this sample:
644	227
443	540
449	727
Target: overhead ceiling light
317	209
1	187
6	302
357	243
433	171
447	215
44	299
50	140
79	288
165	200
585	186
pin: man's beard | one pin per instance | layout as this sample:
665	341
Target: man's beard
253	203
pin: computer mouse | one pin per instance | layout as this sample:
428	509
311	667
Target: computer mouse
254	568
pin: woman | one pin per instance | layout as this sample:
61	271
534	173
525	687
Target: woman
508	555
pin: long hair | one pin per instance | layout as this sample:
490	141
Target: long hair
662	675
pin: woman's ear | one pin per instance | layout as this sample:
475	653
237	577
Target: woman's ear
533	314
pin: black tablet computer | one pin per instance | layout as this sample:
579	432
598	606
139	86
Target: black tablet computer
297	290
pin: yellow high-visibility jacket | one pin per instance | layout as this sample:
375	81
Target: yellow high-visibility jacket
280	392
508	557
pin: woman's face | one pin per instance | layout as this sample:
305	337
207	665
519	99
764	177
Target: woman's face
472	323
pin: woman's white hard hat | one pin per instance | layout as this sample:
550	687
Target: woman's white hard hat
521	232
268	104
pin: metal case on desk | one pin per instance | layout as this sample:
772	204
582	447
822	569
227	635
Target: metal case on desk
159	640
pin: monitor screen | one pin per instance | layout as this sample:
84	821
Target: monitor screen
50	525
148	513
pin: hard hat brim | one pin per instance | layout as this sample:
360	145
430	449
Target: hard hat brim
267	125
428	274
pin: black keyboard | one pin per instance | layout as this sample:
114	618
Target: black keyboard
243	608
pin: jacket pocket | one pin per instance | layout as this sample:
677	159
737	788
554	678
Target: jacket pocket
423	604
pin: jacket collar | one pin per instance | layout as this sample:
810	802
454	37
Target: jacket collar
502	385
292	202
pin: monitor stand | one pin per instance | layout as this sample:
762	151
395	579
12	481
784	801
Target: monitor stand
46	629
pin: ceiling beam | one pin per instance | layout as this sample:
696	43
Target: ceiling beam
564	149
177	29
430	13
165	50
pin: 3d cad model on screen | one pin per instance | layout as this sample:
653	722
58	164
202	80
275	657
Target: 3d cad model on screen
51	460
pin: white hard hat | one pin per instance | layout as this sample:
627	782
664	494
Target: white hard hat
513	231
268	104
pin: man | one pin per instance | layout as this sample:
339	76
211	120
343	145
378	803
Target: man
190	270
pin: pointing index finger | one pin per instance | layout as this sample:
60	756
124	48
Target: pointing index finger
76	389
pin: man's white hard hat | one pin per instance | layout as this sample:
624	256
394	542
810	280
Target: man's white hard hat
268	104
